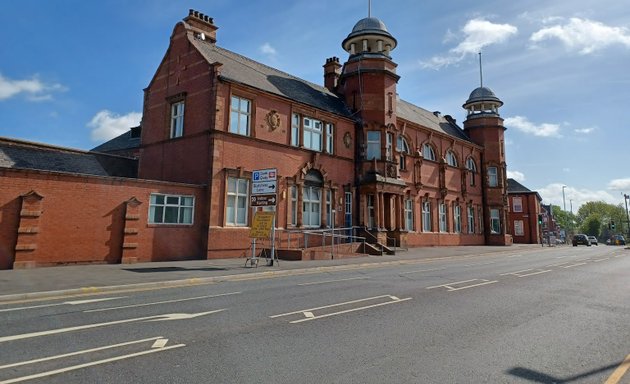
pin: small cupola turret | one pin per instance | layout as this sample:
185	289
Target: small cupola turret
369	35
482	103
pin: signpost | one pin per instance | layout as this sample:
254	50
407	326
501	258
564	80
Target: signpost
264	194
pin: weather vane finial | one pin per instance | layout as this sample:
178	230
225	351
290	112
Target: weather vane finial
369	8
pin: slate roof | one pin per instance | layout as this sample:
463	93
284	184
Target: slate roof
421	116
240	69
17	154
120	143
243	70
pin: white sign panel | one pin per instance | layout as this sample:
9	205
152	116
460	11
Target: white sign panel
264	175
263	187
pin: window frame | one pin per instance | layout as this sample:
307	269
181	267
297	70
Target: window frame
408	214
177	119
311	131
238	195
402	147
165	206
472	170
373	146
426	216
471	219
311	207
495	219
237	129
428	153
451	159
457	218
442	214
330	138
519	228
493	177
517	208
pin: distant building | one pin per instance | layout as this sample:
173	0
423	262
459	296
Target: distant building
350	154
525	208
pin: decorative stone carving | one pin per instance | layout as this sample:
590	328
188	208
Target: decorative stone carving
347	140
273	120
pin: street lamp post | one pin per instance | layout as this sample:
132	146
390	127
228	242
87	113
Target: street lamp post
626	197
564	202
571	205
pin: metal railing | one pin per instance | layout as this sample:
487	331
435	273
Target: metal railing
338	239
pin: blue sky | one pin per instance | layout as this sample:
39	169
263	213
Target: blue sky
72	72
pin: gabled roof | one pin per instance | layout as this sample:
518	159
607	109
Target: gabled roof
433	121
514	187
240	69
17	154
127	140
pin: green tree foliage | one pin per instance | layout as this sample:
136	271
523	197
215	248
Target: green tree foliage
593	218
564	219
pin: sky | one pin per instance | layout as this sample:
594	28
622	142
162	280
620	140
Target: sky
72	72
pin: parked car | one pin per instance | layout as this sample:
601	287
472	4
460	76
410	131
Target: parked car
593	240
581	239
618	240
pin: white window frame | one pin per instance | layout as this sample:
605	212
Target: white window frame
177	119
457	218
370	208
427	152
165	209
409	214
472	170
426	216
373	147
517	204
519	229
330	144
311	206
236	206
442	211
493	177
471	219
451	159
295	130
240	118
312	134
389	155
403	148
495	221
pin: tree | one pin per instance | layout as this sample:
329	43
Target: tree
594	216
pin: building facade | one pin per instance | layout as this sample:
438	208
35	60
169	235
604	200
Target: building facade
350	154
524	213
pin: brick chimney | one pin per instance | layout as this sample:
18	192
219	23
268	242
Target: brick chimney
203	25
332	71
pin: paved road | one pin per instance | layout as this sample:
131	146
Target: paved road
526	315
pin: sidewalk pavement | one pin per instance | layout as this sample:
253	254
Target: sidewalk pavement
49	282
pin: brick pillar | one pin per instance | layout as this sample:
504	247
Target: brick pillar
130	234
28	228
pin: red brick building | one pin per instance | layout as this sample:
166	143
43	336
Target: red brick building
350	154
525	208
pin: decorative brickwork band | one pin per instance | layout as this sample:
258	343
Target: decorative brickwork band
130	231
28	229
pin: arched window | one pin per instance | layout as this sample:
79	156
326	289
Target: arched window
427	152
451	159
403	148
472	170
312	199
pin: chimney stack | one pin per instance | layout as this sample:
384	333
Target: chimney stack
202	24
332	72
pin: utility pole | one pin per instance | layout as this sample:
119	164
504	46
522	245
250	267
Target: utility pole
626	197
564	202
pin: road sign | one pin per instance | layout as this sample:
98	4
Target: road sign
264	175
261	225
264	187
262	200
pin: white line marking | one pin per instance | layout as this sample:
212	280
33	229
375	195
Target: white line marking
349	310
598	260
90	364
334	281
78	353
422	270
160	302
514	273
451	289
75	302
573	265
309	314
160	343
521	274
330	306
169	316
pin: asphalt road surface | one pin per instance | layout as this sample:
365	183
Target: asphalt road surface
554	315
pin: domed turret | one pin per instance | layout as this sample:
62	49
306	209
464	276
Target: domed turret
369	35
482	102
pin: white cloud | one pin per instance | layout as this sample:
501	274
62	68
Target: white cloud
585	36
516	175
524	125
478	33
107	125
267	49
573	197
620	185
585	130
34	88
